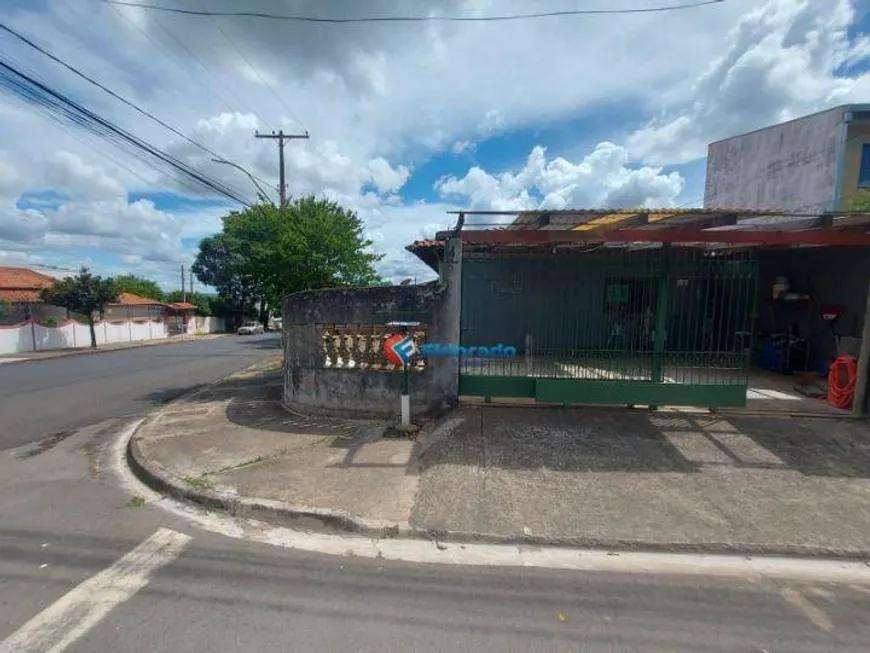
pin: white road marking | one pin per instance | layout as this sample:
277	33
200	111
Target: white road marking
815	614
83	607
412	550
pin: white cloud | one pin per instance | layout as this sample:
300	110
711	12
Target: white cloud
385	178
460	147
382	99
601	179
68	172
780	63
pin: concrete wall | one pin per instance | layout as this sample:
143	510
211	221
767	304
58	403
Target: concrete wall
857	135
31	336
15	313
202	325
790	166
132	312
311	388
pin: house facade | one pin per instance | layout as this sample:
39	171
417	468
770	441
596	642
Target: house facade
20	299
814	164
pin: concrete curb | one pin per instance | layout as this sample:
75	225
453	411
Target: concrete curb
165	482
82	352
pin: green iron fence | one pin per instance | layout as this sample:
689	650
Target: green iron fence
659	325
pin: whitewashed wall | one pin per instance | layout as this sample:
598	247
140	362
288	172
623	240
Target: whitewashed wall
31	336
198	325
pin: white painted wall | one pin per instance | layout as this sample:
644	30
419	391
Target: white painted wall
200	325
790	166
30	336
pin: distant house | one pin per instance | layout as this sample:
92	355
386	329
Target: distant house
133	307
20	298
176	315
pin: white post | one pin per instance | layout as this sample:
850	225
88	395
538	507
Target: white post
406	410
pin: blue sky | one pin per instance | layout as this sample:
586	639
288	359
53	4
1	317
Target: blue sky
406	121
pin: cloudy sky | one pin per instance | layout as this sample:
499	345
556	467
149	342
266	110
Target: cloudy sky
407	120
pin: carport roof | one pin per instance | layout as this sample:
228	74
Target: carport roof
708	228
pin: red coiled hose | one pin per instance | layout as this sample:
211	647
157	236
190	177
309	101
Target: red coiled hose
841	381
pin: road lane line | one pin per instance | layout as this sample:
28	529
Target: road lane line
83	607
815	614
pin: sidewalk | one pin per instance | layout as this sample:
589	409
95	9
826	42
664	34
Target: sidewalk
77	351
585	477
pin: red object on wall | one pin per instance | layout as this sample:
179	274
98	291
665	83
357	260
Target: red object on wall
841	381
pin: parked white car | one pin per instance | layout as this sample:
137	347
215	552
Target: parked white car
250	329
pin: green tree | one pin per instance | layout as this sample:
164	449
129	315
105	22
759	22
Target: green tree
266	252
138	286
84	293
310	243
219	265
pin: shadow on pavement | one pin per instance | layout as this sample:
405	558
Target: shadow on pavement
612	440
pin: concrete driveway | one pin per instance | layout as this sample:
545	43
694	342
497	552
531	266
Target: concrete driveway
635	478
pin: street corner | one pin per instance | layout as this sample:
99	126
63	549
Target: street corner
233	446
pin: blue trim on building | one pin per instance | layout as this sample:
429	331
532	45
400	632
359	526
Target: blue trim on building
851	113
841	156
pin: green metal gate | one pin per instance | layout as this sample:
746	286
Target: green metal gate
654	326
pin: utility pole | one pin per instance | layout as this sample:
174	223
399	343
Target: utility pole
281	137
183	295
191	282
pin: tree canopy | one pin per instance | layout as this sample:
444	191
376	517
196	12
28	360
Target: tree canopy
266	252
139	286
84	293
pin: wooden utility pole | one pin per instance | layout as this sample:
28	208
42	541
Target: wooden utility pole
281	137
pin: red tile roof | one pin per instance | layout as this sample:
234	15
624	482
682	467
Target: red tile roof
22	284
182	306
129	299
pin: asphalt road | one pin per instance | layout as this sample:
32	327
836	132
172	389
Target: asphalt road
64	524
84	567
42	398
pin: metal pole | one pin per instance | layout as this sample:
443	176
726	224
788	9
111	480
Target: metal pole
281	137
260	192
406	397
859	403
661	316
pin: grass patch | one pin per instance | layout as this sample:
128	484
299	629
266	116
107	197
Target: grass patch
199	483
244	463
136	502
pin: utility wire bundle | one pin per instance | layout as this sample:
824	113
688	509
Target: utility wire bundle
59	105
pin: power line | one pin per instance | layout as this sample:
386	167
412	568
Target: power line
415	19
175	59
202	65
35	92
94	82
241	54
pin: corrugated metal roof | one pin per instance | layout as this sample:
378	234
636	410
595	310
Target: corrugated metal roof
539	228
